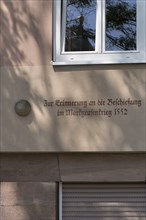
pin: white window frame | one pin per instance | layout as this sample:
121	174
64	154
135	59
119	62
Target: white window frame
60	200
93	57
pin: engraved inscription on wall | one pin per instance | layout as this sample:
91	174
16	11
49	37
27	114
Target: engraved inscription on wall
93	108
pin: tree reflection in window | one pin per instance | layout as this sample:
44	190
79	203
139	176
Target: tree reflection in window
120	25
80	25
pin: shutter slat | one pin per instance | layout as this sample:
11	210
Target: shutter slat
110	190
104	218
106	209
111	214
104	186
104	204
105	199
107	195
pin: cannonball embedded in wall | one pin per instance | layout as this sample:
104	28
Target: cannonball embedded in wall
22	108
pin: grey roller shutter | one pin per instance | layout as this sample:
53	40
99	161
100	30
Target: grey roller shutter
103	201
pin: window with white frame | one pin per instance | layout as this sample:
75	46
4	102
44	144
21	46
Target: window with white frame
99	31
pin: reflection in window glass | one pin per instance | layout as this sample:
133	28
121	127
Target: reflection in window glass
120	25
80	25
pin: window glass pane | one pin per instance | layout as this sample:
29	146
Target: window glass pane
120	25
80	25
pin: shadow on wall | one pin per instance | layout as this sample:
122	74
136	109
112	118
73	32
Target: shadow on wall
28	200
25	43
24	35
26	73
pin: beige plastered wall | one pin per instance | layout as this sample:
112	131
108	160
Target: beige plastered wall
26	73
